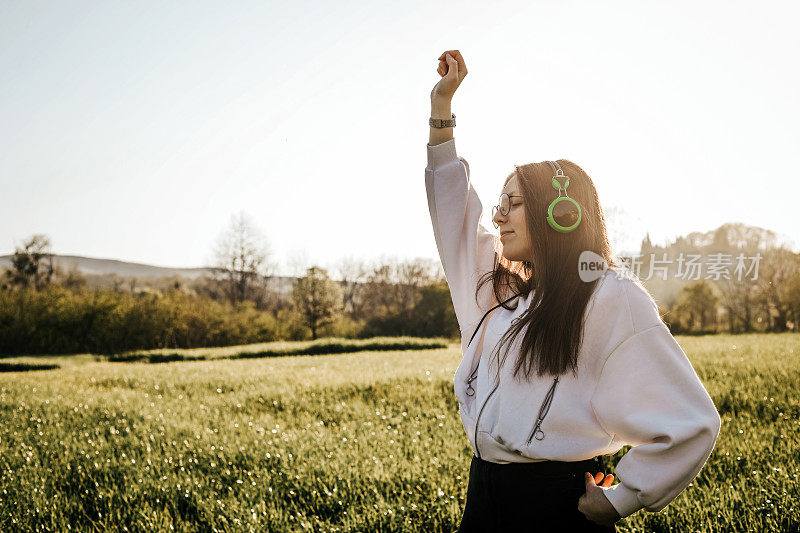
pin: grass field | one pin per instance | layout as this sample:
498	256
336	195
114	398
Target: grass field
368	441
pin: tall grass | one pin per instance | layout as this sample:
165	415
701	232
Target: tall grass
369	441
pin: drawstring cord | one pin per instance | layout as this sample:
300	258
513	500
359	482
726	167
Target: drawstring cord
543	412
548	399
474	374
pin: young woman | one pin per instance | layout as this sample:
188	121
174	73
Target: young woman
593	366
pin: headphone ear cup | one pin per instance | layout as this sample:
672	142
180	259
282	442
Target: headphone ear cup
564	214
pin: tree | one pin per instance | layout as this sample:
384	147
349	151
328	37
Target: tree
32	265
352	274
739	299
72	278
391	293
297	263
434	315
778	267
698	302
793	297
317	298
743	300
618	224
240	260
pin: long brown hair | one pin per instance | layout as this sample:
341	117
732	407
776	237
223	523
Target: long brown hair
555	317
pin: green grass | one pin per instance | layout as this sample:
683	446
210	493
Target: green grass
368	441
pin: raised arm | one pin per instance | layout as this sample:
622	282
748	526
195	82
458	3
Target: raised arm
452	69
466	247
440	109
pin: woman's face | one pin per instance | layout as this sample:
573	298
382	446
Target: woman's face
513	228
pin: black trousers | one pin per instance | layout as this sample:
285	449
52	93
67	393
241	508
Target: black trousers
528	497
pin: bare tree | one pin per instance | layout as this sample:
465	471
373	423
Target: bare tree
746	301
739	299
352	274
618	221
793	296
393	286
778	267
32	265
240	260
297	263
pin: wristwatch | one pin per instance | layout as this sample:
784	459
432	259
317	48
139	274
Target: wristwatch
443	122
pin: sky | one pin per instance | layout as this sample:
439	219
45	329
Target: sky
136	130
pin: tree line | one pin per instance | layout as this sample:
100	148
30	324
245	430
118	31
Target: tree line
47	309
765	299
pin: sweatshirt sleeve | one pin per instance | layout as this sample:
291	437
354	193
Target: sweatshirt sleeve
650	397
466	247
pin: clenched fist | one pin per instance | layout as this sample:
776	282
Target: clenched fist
452	69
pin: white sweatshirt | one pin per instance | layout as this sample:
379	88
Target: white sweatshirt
635	386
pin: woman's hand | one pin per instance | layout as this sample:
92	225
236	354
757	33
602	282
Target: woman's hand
452	69
594	504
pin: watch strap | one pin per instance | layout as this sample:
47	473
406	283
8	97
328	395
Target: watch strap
443	122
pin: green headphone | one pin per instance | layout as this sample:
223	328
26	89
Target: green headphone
563	213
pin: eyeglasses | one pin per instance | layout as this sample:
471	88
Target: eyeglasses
504	206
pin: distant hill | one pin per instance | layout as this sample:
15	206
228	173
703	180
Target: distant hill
91	265
99	271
